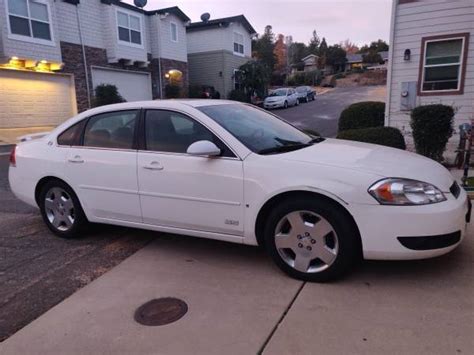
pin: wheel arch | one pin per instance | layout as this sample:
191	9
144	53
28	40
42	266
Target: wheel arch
267	207
43	181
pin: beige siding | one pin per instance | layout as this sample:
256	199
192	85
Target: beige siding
205	69
412	22
215	39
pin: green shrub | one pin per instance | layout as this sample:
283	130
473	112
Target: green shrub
107	94
172	91
432	127
388	136
195	91
362	115
312	77
238	95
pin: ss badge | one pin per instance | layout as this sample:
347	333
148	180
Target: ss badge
231	222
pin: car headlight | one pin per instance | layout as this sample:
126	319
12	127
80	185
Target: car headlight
402	192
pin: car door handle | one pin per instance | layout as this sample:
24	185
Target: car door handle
154	165
77	160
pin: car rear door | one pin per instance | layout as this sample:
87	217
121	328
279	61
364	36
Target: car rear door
102	168
183	191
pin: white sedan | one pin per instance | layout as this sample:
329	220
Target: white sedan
229	171
281	98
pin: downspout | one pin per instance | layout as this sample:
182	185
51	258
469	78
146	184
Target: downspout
84	59
390	62
159	58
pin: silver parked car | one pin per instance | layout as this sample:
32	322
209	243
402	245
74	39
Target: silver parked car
282	97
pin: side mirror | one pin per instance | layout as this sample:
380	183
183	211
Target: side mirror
203	148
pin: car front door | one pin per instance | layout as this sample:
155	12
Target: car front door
184	191
103	167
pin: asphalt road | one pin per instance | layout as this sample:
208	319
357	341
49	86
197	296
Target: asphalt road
322	115
39	270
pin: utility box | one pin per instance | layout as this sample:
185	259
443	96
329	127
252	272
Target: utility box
408	96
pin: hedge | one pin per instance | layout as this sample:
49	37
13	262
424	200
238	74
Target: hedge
387	136
172	91
238	95
432	127
362	115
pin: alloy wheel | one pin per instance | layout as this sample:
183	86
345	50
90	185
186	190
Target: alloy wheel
59	208
306	241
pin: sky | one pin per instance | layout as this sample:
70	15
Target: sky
362	21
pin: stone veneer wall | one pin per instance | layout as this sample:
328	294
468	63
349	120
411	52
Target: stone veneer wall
74	64
169	64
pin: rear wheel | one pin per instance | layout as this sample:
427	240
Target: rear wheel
311	239
61	210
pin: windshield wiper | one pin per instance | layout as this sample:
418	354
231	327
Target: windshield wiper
284	148
317	140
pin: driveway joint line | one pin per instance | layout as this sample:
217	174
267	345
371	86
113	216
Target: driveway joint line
280	320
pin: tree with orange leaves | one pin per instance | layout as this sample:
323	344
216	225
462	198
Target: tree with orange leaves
281	54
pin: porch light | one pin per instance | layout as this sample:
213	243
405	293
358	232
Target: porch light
407	55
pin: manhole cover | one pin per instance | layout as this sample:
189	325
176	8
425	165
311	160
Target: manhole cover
161	311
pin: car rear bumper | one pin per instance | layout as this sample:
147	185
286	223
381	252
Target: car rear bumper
412	232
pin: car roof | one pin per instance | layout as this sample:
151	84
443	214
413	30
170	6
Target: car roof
170	102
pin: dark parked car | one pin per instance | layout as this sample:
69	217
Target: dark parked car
305	93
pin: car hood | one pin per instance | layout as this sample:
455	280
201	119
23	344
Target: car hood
374	159
275	98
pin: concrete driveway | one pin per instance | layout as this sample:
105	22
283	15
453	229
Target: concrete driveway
322	115
240	303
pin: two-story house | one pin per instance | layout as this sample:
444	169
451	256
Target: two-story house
216	50
431	61
54	53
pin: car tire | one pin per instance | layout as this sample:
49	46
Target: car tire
297	103
285	105
323	244
61	210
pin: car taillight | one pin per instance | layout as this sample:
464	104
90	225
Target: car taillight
13	157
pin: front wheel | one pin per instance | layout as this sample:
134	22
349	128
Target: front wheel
297	102
311	239
61	210
285	105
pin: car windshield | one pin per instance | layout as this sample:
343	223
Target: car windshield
301	89
278	92
259	131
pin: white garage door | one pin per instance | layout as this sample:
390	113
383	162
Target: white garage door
30	99
133	86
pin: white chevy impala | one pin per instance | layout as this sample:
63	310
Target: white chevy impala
224	170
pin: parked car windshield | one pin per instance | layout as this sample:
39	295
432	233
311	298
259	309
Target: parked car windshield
259	131
301	89
278	92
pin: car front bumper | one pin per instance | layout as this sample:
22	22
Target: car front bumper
271	105
412	232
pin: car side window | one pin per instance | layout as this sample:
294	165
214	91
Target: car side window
70	136
168	131
111	130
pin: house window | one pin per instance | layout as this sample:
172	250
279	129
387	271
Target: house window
29	18
174	32
238	43
443	67
129	28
